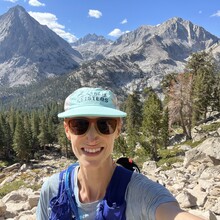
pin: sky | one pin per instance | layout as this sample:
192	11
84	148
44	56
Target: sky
73	19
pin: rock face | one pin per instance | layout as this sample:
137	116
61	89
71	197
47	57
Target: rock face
156	50
30	51
92	46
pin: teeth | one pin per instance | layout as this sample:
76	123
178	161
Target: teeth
89	150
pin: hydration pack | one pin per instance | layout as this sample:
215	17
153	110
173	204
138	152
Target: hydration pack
113	206
128	163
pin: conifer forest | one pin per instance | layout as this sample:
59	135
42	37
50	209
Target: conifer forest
188	99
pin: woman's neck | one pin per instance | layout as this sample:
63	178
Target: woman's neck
93	182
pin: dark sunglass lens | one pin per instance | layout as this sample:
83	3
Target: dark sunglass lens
78	126
107	126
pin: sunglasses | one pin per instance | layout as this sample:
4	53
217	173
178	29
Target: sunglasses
80	126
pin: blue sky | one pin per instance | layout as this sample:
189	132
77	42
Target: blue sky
73	19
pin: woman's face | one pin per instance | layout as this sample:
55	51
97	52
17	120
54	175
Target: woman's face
89	144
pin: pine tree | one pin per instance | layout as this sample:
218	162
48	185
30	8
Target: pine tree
151	126
1	137
133	108
121	146
35	130
50	112
165	128
20	142
5	138
202	68
51	130
198	61
66	147
216	94
28	132
12	120
43	136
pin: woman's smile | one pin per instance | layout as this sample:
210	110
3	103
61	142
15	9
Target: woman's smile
92	151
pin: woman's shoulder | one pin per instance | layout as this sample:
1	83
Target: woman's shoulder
51	184
53	178
144	196
138	179
143	186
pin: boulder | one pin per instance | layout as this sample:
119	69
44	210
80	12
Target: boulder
2	208
186	199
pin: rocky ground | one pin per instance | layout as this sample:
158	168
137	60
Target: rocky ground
195	182
21	204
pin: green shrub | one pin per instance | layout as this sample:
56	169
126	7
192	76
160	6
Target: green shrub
193	144
166	163
168	157
4	163
167	153
9	187
211	127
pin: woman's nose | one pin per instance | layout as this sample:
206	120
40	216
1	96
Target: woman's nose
92	132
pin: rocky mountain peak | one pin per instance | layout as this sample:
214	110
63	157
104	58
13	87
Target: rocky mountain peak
30	51
174	29
17	12
16	18
185	30
91	38
175	20
163	48
91	46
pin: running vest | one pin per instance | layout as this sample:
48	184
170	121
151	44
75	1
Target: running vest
113	206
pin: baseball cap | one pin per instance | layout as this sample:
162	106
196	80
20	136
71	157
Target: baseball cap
91	102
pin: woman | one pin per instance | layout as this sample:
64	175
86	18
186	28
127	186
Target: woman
92	122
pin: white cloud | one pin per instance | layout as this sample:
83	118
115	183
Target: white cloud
217	14
124	21
35	3
13	1
117	33
51	21
66	35
95	13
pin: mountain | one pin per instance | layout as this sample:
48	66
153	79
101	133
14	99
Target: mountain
117	73
89	38
91	46
215	49
159	50
30	51
134	61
